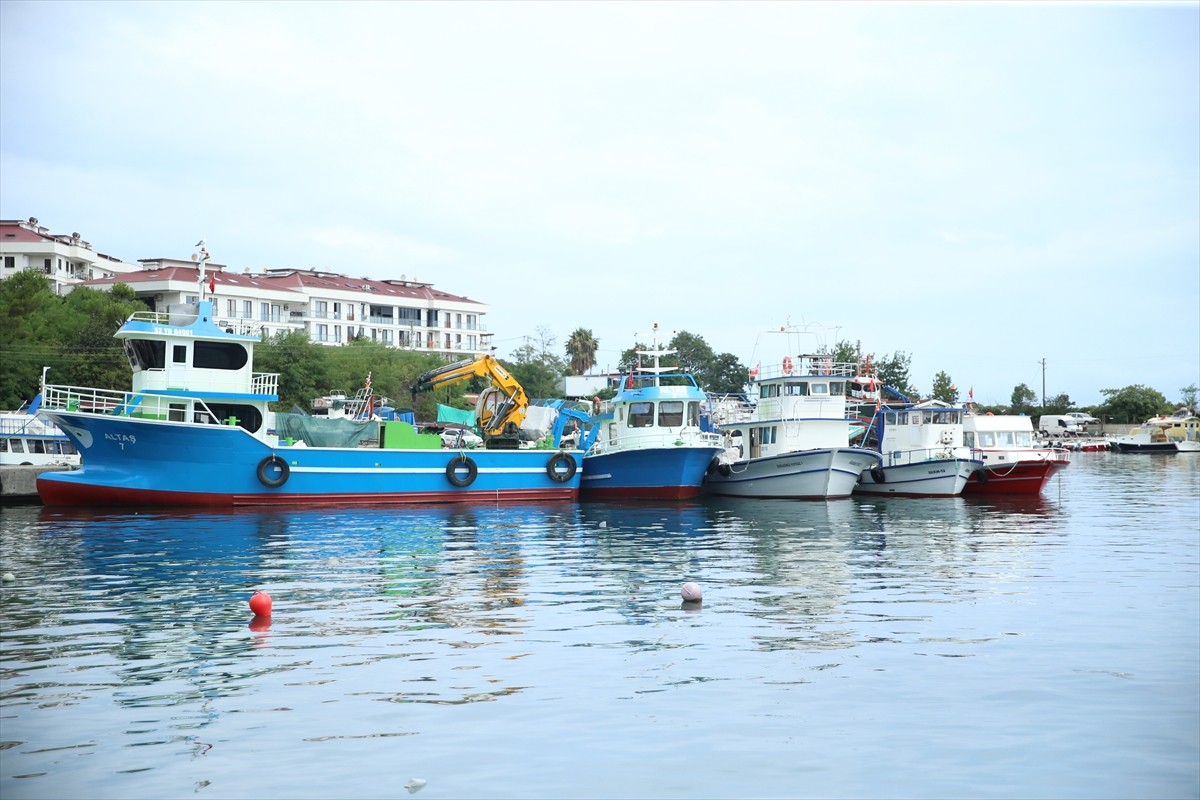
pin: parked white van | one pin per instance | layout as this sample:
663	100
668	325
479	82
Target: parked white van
1057	424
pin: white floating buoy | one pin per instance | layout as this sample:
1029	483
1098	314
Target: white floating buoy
603	524
415	785
8	576
691	592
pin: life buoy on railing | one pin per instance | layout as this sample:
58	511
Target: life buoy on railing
461	461
787	365
629	382
567	472
268	467
826	367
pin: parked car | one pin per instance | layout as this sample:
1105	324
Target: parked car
1082	418
460	439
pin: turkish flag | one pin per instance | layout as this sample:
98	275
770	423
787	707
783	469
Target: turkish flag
212	284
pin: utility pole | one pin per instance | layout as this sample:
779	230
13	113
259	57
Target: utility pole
1043	363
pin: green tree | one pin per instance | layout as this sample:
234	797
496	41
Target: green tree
581	350
30	336
540	349
1188	395
893	371
1059	404
844	353
538	379
630	360
1024	401
944	389
301	365
725	375
1132	404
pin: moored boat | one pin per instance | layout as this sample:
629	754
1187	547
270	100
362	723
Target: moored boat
649	442
796	442
1012	461
28	440
194	431
923	452
1162	434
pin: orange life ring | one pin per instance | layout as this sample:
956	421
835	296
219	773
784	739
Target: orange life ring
787	365
629	382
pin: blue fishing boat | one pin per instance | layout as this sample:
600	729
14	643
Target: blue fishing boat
196	429
649	441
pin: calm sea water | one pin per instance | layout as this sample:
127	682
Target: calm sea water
891	647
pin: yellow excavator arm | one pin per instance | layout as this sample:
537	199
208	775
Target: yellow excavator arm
502	406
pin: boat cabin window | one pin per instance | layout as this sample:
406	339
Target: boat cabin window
1023	438
641	415
179	354
769	390
987	439
797	389
694	413
18	446
819	388
146	354
969	438
220	355
927	417
837	387
670	414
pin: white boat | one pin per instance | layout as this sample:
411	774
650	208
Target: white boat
28	440
1176	434
796	443
1013	462
923	452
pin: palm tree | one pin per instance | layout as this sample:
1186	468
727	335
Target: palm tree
581	350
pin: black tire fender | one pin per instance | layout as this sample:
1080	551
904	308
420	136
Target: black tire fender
878	475
452	470
552	467
264	471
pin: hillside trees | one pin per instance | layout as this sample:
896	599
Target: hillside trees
1133	404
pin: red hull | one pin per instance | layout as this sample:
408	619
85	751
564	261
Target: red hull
1023	477
57	493
641	493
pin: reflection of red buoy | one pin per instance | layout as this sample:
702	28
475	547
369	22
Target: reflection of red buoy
260	623
260	604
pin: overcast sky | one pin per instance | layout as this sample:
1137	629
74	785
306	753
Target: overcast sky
979	186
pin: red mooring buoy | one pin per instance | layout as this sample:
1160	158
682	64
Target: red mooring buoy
260	604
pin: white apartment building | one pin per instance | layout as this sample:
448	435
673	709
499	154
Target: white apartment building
65	259
332	308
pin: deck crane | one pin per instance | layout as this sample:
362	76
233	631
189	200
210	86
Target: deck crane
502	406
